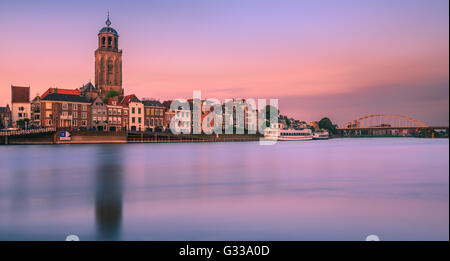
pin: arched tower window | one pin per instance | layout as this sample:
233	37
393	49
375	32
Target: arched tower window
103	41
110	72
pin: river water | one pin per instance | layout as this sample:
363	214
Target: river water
339	189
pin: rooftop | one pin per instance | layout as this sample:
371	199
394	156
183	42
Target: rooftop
65	97
20	94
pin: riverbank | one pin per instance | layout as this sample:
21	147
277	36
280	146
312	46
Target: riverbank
93	137
89	137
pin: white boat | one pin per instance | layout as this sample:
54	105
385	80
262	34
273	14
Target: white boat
321	135
287	134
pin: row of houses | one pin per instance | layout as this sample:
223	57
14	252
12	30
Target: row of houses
86	109
79	109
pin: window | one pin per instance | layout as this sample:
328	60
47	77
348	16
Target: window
133	120
48	105
109	111
84	123
65	106
21	108
103	40
94	111
84	115
110	40
74	114
119	111
20	115
84	107
48	114
74	107
94	118
115	112
74	122
125	112
110	119
152	122
65	113
139	110
139	120
132	110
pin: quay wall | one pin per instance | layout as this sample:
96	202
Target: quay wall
93	137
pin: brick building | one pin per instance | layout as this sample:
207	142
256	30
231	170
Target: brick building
99	115
154	115
5	117
65	111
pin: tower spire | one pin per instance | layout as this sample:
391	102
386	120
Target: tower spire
108	22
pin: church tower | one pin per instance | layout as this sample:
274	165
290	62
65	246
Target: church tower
108	61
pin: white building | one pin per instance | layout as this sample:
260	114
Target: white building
20	103
135	111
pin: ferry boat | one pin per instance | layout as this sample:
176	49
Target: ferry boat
321	135
287	134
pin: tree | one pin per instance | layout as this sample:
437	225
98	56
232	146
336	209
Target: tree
23	123
269	109
111	93
288	122
326	124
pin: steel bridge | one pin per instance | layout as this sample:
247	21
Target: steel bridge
377	123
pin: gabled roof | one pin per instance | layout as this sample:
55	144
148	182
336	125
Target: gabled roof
152	103
5	109
36	99
60	91
20	94
88	87
129	98
113	101
65	97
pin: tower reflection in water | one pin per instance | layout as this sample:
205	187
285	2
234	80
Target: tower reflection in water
108	194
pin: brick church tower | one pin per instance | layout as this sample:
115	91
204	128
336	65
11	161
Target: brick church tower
108	61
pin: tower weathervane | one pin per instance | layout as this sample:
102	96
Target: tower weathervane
108	22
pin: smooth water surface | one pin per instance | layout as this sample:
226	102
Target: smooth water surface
340	189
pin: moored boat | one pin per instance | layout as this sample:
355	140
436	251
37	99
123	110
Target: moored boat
288	134
321	135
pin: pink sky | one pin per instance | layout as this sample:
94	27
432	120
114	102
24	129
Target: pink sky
320	60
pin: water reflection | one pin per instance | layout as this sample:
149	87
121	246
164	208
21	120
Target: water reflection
108	193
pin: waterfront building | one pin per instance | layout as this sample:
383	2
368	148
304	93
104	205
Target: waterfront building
5	117
65	111
35	120
60	91
125	117
20	103
135	112
99	114
89	91
154	115
114	112
168	115
108	61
